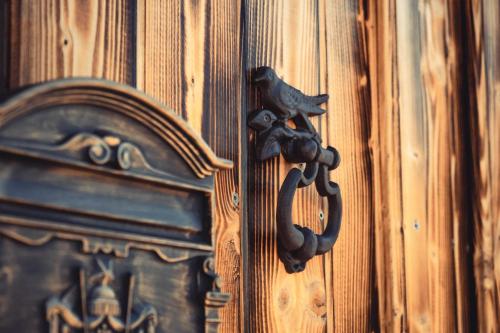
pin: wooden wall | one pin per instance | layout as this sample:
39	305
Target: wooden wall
433	68
413	110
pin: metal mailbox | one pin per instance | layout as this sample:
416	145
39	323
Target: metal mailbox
106	211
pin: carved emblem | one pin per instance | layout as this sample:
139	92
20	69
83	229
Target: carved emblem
93	306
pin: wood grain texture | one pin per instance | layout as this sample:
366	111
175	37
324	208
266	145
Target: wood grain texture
484	97
414	98
385	147
420	166
283	35
432	166
59	38
189	57
347	124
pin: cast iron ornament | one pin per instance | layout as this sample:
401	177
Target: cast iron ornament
302	144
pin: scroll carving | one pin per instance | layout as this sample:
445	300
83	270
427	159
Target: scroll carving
127	102
107	150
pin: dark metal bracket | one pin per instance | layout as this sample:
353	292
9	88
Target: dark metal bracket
302	144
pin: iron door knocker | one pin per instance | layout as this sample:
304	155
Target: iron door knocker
302	144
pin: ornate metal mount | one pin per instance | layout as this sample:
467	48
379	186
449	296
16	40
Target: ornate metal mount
281	103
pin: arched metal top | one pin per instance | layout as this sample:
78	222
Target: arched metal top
123	99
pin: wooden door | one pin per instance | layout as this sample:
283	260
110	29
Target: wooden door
413	111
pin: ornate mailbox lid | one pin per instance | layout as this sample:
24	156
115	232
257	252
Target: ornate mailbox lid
106	201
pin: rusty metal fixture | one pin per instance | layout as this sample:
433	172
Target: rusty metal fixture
302	144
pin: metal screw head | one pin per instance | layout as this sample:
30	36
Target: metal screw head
236	199
321	215
416	225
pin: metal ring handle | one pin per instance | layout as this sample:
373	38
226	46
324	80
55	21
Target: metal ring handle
298	244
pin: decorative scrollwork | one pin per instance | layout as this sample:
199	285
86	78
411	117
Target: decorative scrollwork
100	153
302	144
112	148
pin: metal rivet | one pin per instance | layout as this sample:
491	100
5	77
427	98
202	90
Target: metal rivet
236	199
321	215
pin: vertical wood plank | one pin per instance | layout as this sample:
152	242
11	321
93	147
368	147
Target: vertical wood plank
347	126
461	206
160	48
53	39
222	126
283	35
385	147
412	144
432	166
439	56
189	56
484	102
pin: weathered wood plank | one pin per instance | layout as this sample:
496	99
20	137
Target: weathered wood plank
189	57
222	125
283	35
347	125
460	180
484	97
160	53
439	108
56	38
385	147
433	166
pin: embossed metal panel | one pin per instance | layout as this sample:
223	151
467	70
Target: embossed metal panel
106	202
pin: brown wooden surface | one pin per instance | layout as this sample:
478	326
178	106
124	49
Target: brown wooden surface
484	120
344	73
54	39
189	57
421	71
429	98
413	111
385	146
420	164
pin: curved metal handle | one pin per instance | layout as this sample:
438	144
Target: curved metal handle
299	244
302	144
